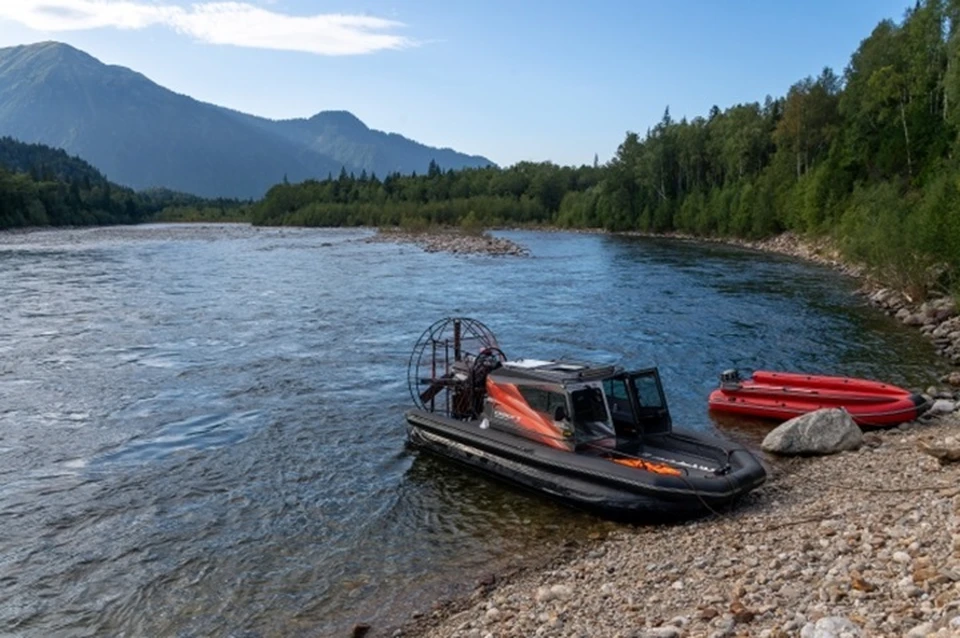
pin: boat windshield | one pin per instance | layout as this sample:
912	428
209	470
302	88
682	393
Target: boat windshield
648	390
652	415
590	418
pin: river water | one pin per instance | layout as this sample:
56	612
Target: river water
201	428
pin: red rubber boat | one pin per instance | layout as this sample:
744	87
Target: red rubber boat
784	395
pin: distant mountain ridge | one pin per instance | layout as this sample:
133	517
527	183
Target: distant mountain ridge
145	136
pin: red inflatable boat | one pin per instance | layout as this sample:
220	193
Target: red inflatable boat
784	395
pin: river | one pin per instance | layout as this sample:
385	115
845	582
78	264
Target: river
202	433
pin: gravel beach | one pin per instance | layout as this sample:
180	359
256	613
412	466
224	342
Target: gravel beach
863	543
452	240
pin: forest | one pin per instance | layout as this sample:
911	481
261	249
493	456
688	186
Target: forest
42	186
868	158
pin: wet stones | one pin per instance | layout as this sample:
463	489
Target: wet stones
937	318
453	241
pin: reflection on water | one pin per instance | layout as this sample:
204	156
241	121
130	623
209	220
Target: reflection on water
201	431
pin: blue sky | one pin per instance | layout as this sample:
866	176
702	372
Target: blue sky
513	81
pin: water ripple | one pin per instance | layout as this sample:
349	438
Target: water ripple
202	427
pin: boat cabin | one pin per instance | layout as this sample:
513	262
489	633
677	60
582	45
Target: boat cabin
569	404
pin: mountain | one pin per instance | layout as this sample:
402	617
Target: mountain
342	136
144	136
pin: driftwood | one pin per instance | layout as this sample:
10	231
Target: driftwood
943	453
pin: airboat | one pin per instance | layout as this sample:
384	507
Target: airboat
592	436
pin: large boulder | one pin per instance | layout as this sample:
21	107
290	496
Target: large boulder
826	431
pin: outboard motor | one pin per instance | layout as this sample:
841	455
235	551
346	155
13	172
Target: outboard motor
730	379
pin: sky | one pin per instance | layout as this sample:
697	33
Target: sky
531	80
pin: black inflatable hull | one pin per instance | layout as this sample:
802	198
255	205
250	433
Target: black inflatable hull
596	484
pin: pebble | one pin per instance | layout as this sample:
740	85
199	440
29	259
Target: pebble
831	627
942	406
451	240
920	631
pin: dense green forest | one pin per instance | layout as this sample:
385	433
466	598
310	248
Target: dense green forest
41	186
869	158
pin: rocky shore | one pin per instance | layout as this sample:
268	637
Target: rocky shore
862	543
452	240
936	318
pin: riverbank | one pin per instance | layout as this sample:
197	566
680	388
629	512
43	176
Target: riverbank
870	539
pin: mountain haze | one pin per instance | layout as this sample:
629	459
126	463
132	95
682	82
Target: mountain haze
143	135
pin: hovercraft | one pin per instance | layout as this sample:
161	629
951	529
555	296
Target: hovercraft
785	395
592	436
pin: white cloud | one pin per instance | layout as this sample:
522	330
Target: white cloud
234	23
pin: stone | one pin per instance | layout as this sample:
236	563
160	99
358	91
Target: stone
953	379
831	627
921	630
708	614
561	591
859	583
826	431
663	632
942	406
544	594
913	319
725	627
943	452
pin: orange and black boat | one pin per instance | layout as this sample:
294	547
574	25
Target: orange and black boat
592	436
784	395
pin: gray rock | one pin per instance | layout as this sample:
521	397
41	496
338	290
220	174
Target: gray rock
831	627
826	431
921	630
561	591
913	319
942	406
